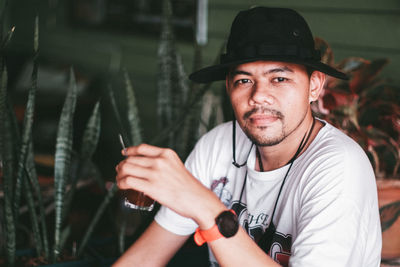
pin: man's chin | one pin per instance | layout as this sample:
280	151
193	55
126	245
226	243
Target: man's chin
266	142
264	139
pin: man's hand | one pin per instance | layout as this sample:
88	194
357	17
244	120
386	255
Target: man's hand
160	174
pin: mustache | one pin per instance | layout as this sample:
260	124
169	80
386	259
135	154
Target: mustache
263	110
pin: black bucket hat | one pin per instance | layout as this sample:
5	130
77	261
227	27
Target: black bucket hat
262	33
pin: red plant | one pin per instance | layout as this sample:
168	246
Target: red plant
364	107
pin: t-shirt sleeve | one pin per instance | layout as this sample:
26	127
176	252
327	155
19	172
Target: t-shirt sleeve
338	214
175	223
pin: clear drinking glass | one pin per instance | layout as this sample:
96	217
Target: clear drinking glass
134	199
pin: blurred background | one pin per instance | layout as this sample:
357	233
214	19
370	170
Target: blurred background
100	37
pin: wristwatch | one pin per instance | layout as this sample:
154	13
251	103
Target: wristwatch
226	225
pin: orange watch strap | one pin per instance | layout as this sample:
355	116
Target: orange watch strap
209	235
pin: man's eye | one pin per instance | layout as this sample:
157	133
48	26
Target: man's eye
242	81
280	79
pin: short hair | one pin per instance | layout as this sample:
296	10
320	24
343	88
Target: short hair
309	71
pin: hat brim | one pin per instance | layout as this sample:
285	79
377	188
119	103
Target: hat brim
218	72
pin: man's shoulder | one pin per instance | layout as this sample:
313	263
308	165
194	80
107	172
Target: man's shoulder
334	139
334	147
334	160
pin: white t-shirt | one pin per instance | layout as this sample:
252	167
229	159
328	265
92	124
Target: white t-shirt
327	213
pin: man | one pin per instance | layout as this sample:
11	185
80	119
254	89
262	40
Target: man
303	192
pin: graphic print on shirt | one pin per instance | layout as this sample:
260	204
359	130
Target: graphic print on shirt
280	248
218	187
255	226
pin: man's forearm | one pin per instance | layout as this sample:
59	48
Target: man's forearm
155	247
240	250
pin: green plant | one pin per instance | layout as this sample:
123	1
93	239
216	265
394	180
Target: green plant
17	160
179	130
364	107
18	168
180	103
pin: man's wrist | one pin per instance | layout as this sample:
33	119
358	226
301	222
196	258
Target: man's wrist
226	225
208	211
208	221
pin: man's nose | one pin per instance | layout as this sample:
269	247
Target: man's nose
261	95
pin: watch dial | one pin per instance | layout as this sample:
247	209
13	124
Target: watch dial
227	223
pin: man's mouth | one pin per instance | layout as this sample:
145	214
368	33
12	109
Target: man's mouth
262	117
262	120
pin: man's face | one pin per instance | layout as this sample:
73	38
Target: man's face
271	99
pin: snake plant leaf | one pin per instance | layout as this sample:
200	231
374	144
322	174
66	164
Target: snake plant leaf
14	130
31	173
91	135
187	108
189	128
107	199
185	136
166	59
63	158
132	112
32	213
36	36
135	134
182	80
211	112
26	137
29	164
6	150
64	235
173	89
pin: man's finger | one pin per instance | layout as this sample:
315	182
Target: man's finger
143	150
130	182
137	171
138	160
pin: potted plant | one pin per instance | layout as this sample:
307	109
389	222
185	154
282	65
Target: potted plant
367	109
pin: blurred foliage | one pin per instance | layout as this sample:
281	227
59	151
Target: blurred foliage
185	111
365	108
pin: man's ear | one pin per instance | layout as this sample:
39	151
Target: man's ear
317	81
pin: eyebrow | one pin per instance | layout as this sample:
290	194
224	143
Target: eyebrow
274	70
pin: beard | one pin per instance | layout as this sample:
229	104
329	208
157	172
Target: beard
260	135
262	140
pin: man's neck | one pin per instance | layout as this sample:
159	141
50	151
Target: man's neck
274	157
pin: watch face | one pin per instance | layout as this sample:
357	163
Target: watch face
227	223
